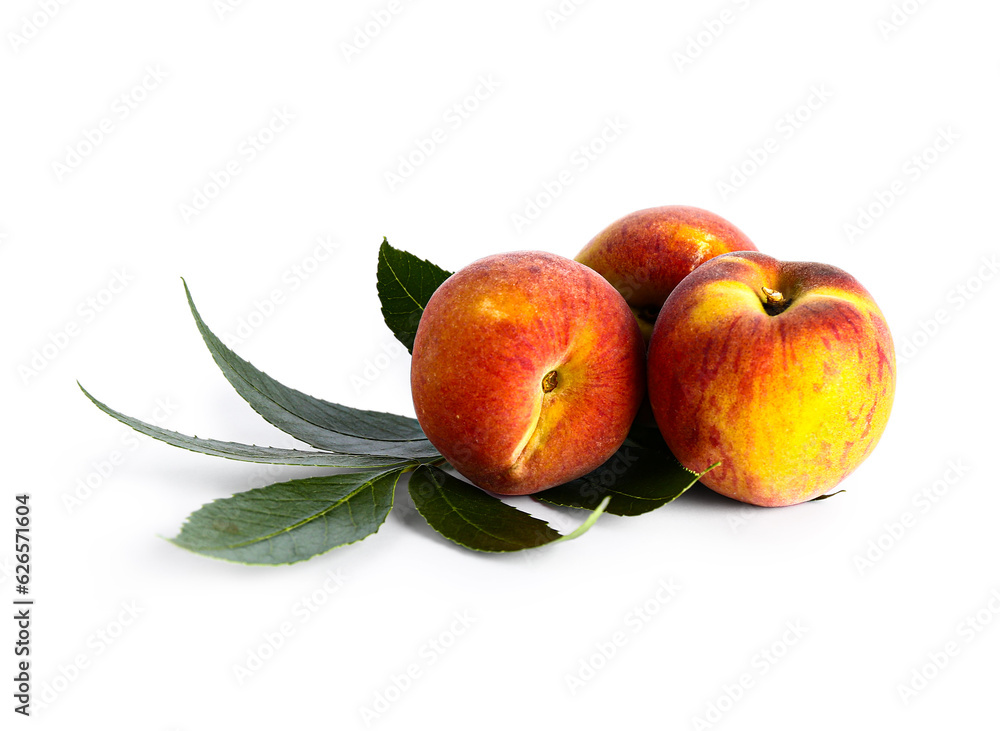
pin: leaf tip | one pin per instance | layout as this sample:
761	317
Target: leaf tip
824	497
589	522
89	395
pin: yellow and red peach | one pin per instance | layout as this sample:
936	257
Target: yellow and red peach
783	371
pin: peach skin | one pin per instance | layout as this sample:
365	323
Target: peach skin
647	253
528	369
784	371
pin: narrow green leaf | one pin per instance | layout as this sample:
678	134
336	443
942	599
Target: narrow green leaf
470	517
405	284
641	476
247	452
291	521
316	422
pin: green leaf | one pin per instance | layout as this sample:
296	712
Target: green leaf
470	517
291	521
316	422
641	476
824	497
405	284
589	522
247	452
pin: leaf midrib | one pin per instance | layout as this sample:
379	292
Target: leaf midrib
454	510
308	519
395	276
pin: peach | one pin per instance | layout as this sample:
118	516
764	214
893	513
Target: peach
783	371
647	253
528	369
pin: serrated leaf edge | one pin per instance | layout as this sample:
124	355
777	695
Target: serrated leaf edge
382	257
150	430
579	531
206	333
195	551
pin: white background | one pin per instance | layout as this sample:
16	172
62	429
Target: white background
874	595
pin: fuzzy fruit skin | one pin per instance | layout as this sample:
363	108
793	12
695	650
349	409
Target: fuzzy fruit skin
486	341
790	403
647	253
